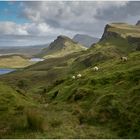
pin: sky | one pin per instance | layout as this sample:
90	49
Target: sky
24	23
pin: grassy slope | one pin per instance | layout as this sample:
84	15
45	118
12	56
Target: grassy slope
43	73
12	105
125	29
103	104
14	61
115	80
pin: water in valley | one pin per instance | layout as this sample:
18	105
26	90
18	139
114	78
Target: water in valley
5	71
36	59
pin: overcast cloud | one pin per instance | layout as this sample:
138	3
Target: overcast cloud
52	18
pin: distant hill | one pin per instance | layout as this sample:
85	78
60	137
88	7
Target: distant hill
85	40
23	50
14	61
61	46
138	22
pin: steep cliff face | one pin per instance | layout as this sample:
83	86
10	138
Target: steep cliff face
123	32
107	33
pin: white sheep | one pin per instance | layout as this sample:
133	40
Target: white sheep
124	58
79	75
95	68
73	77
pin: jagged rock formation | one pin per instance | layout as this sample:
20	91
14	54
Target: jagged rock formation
129	33
61	46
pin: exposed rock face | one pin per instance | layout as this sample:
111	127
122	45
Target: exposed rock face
59	43
62	43
85	40
138	23
134	41
123	31
108	33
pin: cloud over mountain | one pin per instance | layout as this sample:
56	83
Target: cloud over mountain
52	18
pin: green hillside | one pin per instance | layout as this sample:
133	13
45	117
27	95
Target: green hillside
18	112
104	103
100	104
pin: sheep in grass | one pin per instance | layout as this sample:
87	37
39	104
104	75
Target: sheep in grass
124	58
79	75
73	77
95	68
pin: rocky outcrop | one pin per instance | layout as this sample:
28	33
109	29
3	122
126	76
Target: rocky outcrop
59	43
128	33
107	33
135	41
61	46
138	23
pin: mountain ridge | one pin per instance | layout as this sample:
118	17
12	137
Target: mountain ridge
85	40
130	34
61	46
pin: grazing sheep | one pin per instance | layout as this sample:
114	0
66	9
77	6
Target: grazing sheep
79	75
124	58
95	68
46	105
73	77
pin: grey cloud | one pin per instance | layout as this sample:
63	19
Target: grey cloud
132	8
89	17
53	23
52	18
